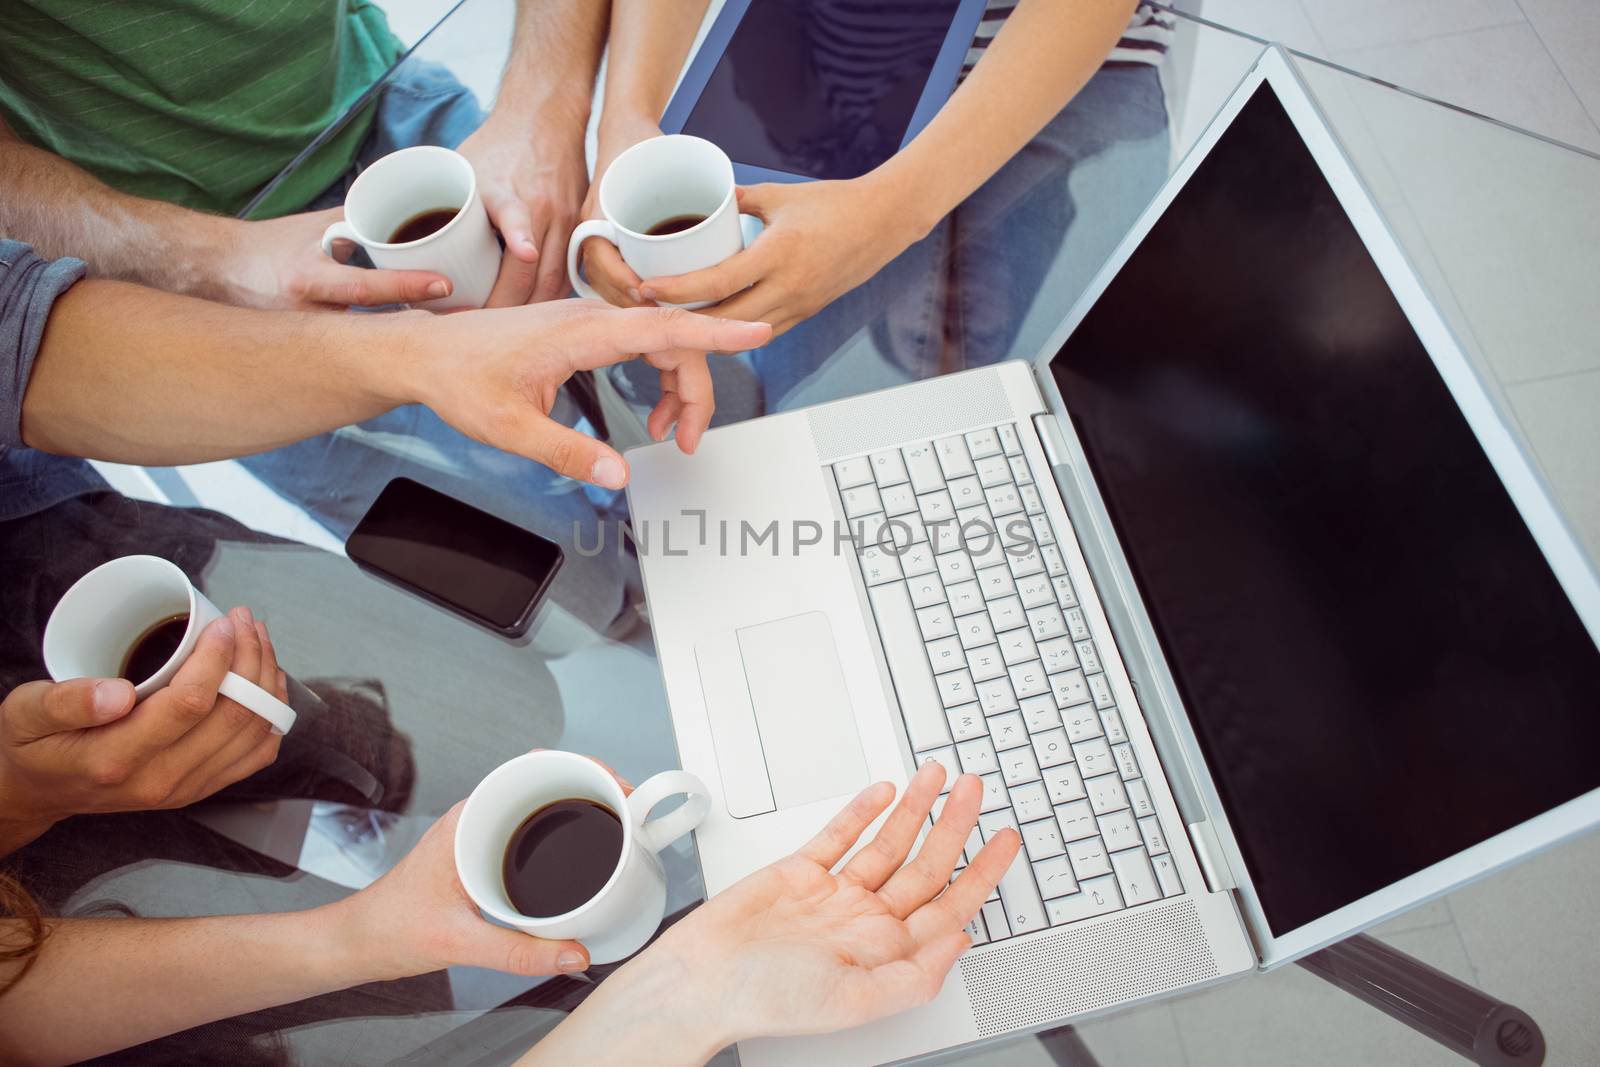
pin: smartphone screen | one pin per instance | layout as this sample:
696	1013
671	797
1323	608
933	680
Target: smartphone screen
478	565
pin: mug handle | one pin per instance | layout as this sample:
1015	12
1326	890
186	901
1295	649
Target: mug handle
243	691
340	230
586	229
657	834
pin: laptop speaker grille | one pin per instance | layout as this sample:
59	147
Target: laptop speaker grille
936	407
1044	979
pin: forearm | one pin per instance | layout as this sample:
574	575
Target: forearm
1046	51
548	82
99	985
63	210
650	40
139	376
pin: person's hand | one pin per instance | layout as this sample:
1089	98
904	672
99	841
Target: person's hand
532	185
71	748
279	263
821	240
417	918
798	948
494	374
599	259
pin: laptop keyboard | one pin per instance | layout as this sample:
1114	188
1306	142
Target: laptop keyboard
998	674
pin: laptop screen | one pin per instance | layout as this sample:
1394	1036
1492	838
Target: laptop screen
823	88
1381	667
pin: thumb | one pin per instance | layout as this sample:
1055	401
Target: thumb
39	709
517	953
566	451
511	218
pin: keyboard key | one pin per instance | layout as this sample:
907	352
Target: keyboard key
985	663
1054	565
1112	719
1065	596
1020	768
946	655
935	622
1042	534
1024	909
983	443
914	559
992	822
898	500
1054	877
967	722
1127	766
870	530
1089	858
1139	798
1094	757
861	500
996	583
1042	839
1017	647
878	566
926	591
965	492
1134	877
1106	793
1029	800
905	530
974	844
1063	784
965	598
1166	875
995	796
1031	501
888	468
943	534
1100	691
994	919
1019	470
935	506
1007	730
977	757
908	666
975	929
1088	656
923	468
987	552
1009	440
1025	563
945	756
1028	679
1077	625
1118	830
1058	655
1076	820
954	459
1034	591
975	629
1039	713
955	567
1046	622
1081	723
852	472
956	688
993	470
1070	688
1154	839
1003	500
1007	613
1051	748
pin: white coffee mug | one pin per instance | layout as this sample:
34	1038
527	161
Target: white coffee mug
659	179
97	621
408	183
622	916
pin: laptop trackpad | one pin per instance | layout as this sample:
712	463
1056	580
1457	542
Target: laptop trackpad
791	718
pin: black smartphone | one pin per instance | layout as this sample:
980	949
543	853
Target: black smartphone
478	565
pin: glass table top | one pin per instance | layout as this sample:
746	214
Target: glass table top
1502	225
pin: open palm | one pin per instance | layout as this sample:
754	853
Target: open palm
797	948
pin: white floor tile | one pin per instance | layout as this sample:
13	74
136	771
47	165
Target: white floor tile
1345	24
1558	415
1570	29
1503	72
1282	21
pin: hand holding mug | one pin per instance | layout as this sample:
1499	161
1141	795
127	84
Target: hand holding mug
87	745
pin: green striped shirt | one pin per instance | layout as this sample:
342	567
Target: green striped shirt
195	102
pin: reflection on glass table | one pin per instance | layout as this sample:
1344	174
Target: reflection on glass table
1502	248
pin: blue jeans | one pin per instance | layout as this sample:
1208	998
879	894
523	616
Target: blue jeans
336	476
962	296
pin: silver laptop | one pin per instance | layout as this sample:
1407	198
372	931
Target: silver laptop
1242	598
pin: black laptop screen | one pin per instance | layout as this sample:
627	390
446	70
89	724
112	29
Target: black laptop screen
1379	663
823	88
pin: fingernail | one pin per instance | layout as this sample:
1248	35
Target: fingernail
646	293
571	961
608	472
224	627
245	616
438	289
109	698
634	295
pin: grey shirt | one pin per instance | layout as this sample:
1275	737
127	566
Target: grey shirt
30	480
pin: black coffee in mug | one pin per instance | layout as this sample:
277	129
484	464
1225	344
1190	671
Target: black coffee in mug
422	224
676	224
151	650
561	856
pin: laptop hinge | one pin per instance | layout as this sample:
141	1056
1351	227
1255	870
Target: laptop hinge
1050	437
1208	850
